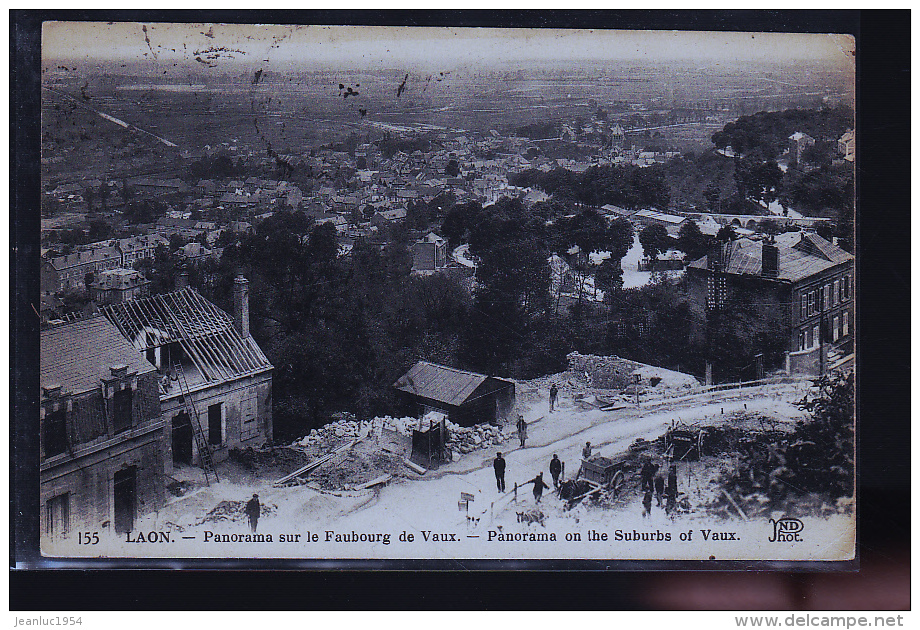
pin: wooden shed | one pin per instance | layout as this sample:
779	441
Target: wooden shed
466	397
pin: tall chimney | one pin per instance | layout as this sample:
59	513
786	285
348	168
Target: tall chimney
181	280
770	260
715	257
241	305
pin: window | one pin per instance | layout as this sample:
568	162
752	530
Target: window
802	345
836	328
54	433
816	336
827	296
846	287
811	302
57	512
804	306
836	291
122	404
846	324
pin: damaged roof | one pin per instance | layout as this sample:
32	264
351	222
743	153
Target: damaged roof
439	382
76	355
205	333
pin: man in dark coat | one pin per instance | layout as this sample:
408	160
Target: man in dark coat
253	510
672	488
538	487
659	488
522	430
648	473
553	392
499	465
555	469
586	451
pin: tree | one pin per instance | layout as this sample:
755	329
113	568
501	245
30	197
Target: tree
692	241
726	234
609	277
757	180
654	239
452	169
104	193
99	230
823	454
620	237
89	196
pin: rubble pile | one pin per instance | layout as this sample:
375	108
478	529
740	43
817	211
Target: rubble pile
233	511
463	440
612	372
342	430
356	466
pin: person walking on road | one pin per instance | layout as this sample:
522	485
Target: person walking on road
253	510
538	487
522	430
555	469
553	393
499	465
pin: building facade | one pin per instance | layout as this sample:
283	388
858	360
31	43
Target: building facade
102	439
801	281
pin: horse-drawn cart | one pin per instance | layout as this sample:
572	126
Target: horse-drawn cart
595	475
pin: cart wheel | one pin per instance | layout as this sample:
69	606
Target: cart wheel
616	482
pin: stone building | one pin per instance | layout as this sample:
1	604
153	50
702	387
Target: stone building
801	281
118	285
101	431
215	383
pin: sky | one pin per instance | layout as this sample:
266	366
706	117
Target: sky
391	47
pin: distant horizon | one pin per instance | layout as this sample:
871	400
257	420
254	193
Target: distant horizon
228	47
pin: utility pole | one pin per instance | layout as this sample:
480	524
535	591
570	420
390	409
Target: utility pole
637	390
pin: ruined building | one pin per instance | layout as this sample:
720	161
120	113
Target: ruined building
101	431
212	374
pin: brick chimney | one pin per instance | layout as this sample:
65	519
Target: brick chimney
715	257
241	305
770	260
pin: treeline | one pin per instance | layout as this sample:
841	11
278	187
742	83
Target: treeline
627	186
767	133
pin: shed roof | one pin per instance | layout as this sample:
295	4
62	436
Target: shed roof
439	382
77	354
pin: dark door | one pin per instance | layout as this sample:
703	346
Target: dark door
215	429
182	439
125	499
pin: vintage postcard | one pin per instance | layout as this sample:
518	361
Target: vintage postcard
319	292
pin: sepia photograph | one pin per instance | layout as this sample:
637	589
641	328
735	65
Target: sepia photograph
384	293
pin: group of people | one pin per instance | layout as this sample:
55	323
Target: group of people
556	469
654	484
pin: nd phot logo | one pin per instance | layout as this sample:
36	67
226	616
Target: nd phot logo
786	529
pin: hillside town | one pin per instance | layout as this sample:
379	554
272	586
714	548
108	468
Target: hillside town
240	339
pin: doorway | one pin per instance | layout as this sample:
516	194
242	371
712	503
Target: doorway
125	499
215	425
182	438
